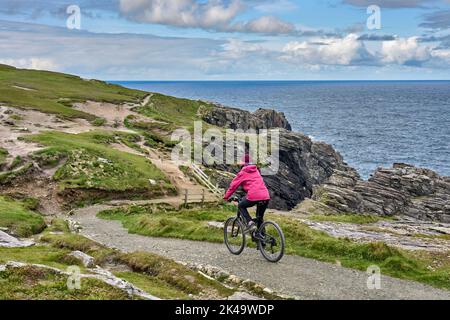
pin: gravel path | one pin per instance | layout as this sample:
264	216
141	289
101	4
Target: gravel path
301	277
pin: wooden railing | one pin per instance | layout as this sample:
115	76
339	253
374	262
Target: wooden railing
205	180
191	197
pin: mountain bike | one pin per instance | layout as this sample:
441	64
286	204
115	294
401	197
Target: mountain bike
269	237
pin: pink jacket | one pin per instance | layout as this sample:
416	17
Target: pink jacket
252	182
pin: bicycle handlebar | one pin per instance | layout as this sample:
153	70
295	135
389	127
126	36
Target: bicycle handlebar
236	199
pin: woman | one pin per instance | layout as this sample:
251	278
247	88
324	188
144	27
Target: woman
257	194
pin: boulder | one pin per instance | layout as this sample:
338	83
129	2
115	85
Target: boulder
11	242
84	258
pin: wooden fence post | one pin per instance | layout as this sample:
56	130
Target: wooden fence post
186	197
203	196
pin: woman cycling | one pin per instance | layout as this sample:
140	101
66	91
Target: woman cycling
257	194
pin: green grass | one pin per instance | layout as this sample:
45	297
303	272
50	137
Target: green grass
9	176
153	285
184	224
347	218
177	111
156	134
31	283
55	92
75	242
3	155
16	117
98	122
19	219
301	240
93	164
46	255
174	275
17	161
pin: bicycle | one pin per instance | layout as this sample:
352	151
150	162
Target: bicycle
269	238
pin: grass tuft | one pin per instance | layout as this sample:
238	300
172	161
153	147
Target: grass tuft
18	219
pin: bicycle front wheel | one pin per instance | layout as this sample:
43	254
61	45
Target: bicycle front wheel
234	236
271	241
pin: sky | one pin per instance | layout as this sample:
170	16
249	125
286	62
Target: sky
229	39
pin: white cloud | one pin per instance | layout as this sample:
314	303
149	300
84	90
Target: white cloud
443	55
106	56
275	6
268	25
405	51
346	51
31	63
212	14
236	49
395	4
137	57
215	15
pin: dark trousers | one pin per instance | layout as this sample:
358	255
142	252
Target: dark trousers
261	207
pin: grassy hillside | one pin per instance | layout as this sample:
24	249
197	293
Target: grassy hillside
91	163
177	111
18	219
52	92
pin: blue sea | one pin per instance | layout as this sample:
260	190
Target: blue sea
371	123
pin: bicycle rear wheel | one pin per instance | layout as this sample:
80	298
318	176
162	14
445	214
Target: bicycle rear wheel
271	241
234	236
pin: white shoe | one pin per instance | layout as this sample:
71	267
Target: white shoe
251	226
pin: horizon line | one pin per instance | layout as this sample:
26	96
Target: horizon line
322	80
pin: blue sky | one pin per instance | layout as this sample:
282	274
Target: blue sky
229	39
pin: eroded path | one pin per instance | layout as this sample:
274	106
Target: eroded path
301	277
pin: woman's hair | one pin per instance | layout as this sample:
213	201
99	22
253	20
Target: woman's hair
247	159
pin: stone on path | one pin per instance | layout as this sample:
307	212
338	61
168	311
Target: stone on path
11	242
84	258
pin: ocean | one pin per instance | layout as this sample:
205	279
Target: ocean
371	123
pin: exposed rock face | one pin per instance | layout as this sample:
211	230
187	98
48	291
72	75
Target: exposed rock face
315	170
239	119
304	164
403	189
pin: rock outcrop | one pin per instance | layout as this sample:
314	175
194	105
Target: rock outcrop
310	169
304	164
232	118
402	189
11	242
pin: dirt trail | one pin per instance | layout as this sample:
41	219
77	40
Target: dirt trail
19	122
177	177
15	123
301	277
114	113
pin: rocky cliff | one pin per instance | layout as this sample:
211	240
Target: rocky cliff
304	164
314	170
402	189
239	119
